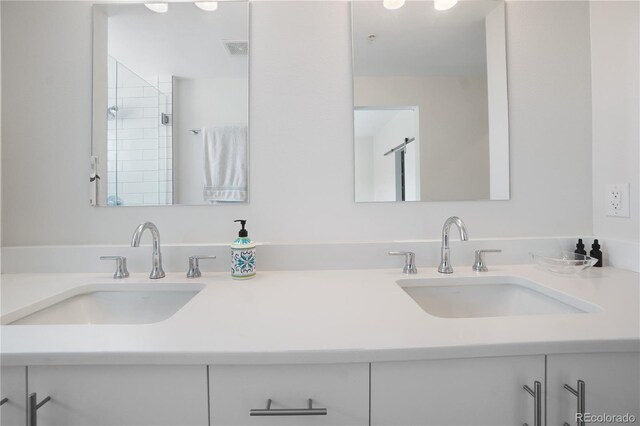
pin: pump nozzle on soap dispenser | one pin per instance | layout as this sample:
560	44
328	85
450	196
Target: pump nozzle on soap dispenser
243	232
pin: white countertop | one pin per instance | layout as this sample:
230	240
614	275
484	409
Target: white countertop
321	316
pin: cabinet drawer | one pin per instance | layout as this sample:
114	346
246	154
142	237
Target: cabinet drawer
164	395
343	389
611	385
455	392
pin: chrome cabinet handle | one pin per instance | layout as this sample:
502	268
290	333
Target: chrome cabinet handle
32	408
3	401
536	393
194	265
309	411
121	266
579	394
409	261
479	265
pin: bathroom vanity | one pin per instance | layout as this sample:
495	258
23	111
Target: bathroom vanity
325	347
360	115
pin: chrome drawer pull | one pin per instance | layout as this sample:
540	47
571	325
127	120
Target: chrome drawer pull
579	394
310	411
536	393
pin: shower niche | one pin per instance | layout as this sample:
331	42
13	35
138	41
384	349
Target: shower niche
170	105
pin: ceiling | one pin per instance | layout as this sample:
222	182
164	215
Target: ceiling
185	42
419	40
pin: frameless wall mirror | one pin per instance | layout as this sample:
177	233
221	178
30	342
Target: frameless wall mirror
430	101
170	103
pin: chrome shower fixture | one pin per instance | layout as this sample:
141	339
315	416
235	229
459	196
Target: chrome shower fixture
111	112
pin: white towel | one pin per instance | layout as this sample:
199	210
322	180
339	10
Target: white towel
225	164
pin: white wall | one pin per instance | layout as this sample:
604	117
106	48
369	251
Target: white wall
615	61
454	131
363	164
301	134
202	103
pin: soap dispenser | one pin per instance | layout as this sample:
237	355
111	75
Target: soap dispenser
243	255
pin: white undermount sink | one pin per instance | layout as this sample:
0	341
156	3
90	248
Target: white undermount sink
475	297
108	304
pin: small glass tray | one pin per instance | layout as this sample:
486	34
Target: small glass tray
563	262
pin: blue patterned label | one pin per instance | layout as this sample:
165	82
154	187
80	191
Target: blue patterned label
243	263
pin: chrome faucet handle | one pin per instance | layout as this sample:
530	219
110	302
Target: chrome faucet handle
409	261
121	266
194	265
479	265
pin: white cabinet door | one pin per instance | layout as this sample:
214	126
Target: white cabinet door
343	389
13	387
121	395
474	391
611	386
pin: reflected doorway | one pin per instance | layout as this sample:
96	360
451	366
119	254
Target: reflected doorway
387	144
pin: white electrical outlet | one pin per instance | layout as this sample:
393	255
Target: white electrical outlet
617	200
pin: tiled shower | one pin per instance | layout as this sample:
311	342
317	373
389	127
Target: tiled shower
139	135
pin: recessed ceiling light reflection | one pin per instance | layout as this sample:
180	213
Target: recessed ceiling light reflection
209	6
158	7
393	4
444	4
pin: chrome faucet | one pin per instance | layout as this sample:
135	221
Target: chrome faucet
445	264
156	256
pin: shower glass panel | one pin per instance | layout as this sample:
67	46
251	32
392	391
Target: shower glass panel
139	138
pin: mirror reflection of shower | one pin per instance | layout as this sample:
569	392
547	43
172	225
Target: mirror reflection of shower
139	137
158	82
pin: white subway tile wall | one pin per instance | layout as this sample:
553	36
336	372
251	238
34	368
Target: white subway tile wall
139	146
